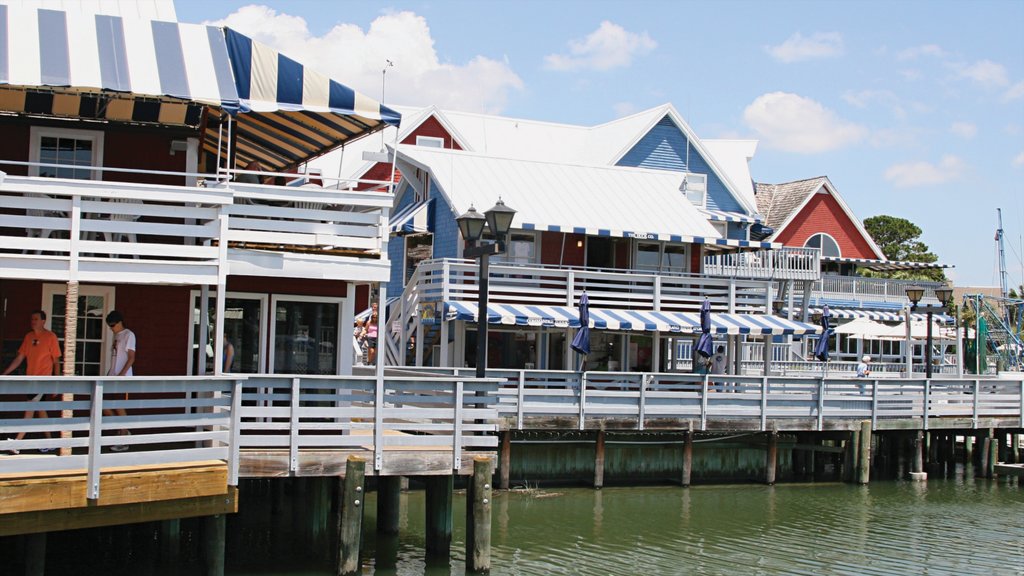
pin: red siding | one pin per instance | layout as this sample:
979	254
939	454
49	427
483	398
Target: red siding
696	259
142	151
552	251
18	298
159	317
432	128
298	286
14	146
823	214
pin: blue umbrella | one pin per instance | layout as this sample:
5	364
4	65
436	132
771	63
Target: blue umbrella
705	346
821	348
581	342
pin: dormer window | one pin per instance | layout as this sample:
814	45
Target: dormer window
825	243
695	188
430	141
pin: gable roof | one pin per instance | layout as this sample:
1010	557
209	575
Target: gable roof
734	156
781	203
598	200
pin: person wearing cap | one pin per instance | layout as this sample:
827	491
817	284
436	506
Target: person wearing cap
864	368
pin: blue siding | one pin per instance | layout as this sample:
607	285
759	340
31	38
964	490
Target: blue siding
664	148
446	236
396	247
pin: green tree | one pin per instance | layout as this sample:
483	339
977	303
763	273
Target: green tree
899	239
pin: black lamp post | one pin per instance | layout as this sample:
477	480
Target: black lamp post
914	294
472	224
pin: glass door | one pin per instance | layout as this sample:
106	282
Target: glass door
306	335
243	329
91	336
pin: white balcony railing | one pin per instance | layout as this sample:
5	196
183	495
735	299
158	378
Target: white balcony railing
782	264
856	288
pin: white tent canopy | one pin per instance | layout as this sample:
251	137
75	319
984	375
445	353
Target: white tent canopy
865	329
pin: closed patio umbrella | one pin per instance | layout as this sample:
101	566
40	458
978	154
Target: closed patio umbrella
581	342
705	345
821	348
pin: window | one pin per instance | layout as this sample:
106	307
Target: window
243	320
824	242
520	248
695	188
661	257
430	141
69	148
418	247
92	336
305	335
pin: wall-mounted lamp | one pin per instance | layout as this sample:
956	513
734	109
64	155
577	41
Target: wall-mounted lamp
579	243
178	146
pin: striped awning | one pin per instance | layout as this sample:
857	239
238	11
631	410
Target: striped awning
885	265
882	315
76	64
290	113
723	216
631	320
414	218
655	236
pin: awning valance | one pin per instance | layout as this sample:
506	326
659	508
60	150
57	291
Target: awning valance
97	66
882	315
414	218
653	236
723	216
630	320
885	265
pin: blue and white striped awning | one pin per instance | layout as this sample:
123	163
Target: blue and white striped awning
654	236
885	265
723	216
630	320
82	57
882	315
414	218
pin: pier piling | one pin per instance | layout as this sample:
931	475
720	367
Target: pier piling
350	530
35	554
864	453
439	518
388	504
687	457
214	537
771	458
478	516
917	452
170	542
506	459
599	461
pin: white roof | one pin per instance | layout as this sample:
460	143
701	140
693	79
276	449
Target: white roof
733	157
143	9
610	200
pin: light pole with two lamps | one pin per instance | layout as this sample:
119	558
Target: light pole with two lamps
914	294
472	224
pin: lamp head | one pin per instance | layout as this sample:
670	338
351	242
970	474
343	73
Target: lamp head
499	218
944	295
471	224
914	294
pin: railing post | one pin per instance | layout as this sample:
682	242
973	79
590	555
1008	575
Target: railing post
583	400
520	395
95	441
977	387
378	421
1020	415
874	404
642	408
457	432
764	404
293	426
927	392
821	403
234	434
704	403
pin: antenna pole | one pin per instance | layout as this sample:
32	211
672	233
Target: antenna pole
383	77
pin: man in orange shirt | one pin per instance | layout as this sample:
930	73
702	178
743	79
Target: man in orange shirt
41	349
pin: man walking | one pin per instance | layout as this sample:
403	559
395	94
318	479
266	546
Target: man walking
121	361
42	351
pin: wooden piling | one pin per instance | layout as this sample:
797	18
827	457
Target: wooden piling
439	518
771	458
599	461
351	523
968	449
864	451
214	536
35	554
170	542
389	491
986	446
687	457
993	457
506	459
478	516
855	451
918	452
849	458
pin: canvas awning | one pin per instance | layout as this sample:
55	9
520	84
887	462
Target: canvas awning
723	216
412	219
629	320
290	114
885	265
74	64
883	315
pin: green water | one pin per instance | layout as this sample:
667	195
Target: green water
956	526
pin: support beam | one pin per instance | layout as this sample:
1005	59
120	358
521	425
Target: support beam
478	516
439	518
771	458
864	465
687	457
599	461
351	515
214	538
389	491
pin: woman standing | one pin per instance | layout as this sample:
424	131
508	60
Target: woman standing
370	334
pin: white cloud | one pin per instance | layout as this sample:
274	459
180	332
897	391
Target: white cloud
356	57
623	109
818	45
1018	160
965	130
923	173
865	98
796	124
1016	91
610	46
984	72
923	50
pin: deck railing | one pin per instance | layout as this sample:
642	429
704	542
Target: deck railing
858	289
782	264
530	398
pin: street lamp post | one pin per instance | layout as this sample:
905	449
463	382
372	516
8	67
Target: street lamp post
914	294
472	224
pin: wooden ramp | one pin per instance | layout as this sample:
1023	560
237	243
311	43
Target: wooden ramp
1010	470
48	501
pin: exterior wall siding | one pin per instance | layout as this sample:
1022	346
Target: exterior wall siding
432	128
552	251
664	148
396	247
823	214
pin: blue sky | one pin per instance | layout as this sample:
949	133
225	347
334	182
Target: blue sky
912	109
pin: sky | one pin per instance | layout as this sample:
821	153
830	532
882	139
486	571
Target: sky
912	109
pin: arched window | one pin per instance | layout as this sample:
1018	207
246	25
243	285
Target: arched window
827	244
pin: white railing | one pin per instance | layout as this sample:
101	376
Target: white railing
416	412
781	264
157	420
860	289
530	398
